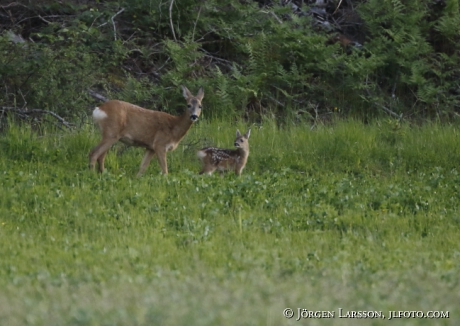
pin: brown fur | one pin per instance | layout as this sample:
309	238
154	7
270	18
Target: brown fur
158	132
226	159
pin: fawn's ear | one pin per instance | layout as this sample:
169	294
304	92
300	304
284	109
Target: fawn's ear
247	134
238	133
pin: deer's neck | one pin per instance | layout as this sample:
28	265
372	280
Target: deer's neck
181	124
243	152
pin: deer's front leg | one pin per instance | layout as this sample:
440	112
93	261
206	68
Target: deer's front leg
145	161
161	154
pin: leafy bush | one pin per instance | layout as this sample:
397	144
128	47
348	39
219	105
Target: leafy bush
252	59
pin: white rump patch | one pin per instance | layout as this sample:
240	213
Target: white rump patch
201	154
98	114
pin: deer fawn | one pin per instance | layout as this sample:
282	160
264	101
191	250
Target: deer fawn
158	132
226	159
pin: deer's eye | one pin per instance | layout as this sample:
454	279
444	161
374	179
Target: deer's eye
241	140
189	106
200	107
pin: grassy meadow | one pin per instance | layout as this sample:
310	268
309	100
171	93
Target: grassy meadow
352	216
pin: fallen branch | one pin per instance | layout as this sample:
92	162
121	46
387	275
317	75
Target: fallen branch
26	113
387	110
384	108
97	96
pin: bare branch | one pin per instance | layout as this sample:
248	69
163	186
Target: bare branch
46	21
340	2
113	23
276	101
164	64
25	113
171	21
204	35
60	119
97	96
103	24
227	63
384	108
196	21
43	18
12	5
394	114
274	15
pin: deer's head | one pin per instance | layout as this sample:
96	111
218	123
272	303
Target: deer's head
193	102
242	141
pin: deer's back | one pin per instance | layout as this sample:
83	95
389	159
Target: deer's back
134	124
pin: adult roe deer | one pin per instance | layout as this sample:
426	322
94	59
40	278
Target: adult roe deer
159	132
226	159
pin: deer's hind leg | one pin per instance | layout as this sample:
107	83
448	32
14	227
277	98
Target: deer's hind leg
98	153
208	169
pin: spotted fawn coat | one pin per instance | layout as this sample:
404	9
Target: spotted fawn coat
213	158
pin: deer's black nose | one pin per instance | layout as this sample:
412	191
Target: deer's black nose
193	117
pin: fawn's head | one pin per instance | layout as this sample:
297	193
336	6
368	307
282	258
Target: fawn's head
193	102
242	141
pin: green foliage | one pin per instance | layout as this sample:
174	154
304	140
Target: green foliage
448	23
252	60
399	36
137	91
55	72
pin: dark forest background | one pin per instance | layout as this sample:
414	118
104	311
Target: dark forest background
296	59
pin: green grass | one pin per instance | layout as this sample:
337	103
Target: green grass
352	216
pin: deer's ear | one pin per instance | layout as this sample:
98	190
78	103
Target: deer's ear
186	93
200	94
238	133
247	134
